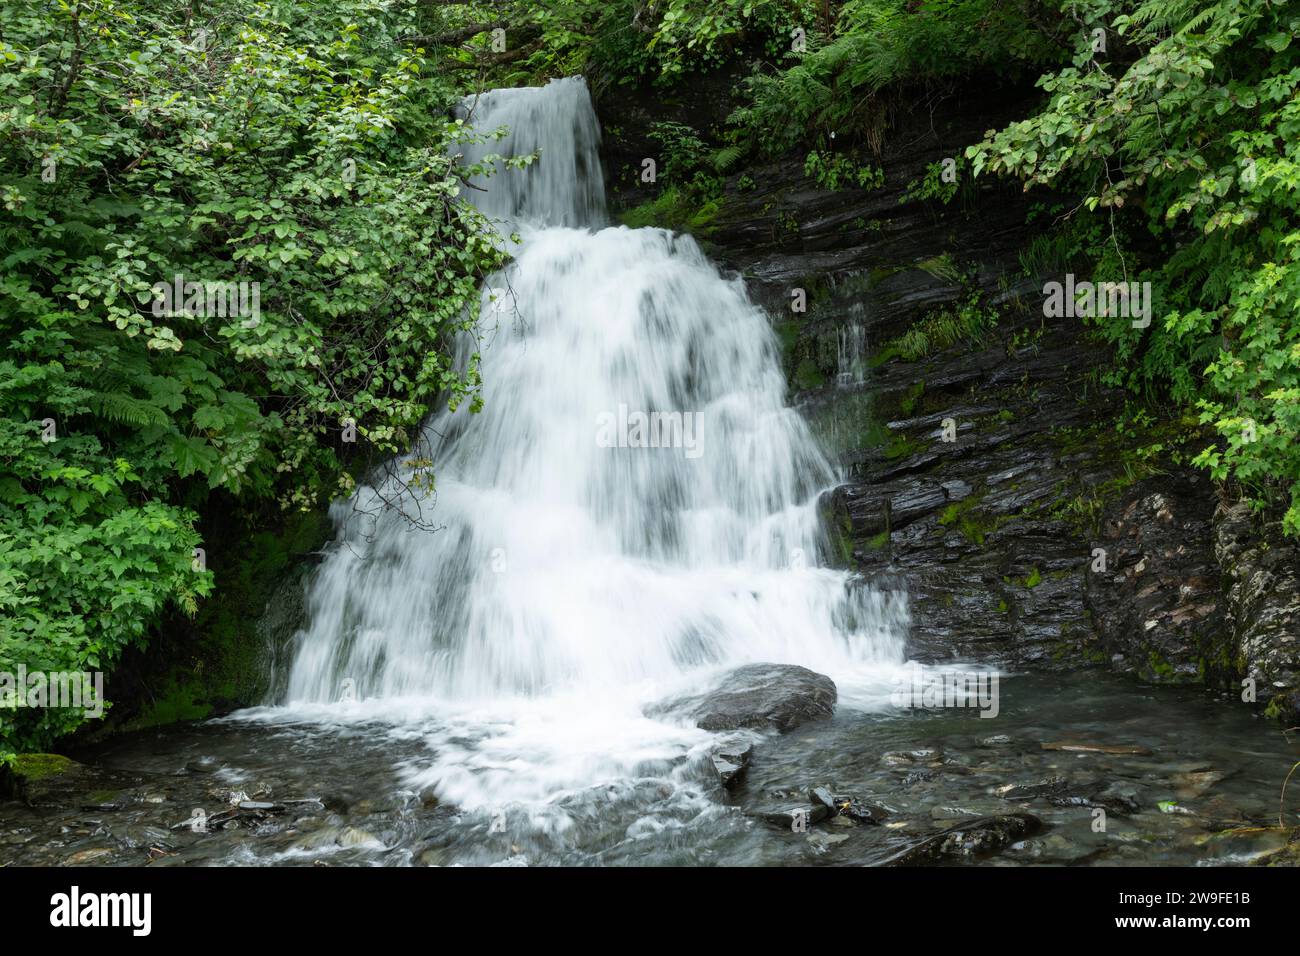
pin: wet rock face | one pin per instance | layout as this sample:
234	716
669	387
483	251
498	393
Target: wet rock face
285	615
780	696
1263	607
990	532
967	527
1157	603
1197	590
1029	539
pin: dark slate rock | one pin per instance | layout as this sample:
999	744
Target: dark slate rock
796	819
731	760
821	796
780	696
969	839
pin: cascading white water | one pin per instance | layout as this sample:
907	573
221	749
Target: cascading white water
565	186
577	574
851	368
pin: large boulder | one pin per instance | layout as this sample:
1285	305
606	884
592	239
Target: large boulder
781	696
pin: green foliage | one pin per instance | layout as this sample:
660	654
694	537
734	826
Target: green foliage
137	144
968	322
692	194
1068	246
1188	147
606	39
837	171
684	153
611	41
676	209
934	186
698	34
836	86
965	516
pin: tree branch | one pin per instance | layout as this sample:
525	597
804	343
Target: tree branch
524	33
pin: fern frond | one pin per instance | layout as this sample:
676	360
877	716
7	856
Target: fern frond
126	409
726	157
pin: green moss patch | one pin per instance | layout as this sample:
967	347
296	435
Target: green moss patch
674	209
42	766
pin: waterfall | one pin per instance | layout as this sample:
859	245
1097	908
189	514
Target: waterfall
564	187
633	508
851	367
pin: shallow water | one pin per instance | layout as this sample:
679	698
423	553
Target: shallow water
370	802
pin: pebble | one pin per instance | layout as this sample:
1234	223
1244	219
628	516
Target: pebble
84	857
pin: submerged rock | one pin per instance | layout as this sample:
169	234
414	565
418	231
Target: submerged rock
1082	747
731	760
926	757
859	812
1118	798
356	837
86	857
1194	784
823	841
970	839
1052	786
797	819
781	696
964	812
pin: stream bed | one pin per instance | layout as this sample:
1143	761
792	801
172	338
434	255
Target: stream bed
1194	781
